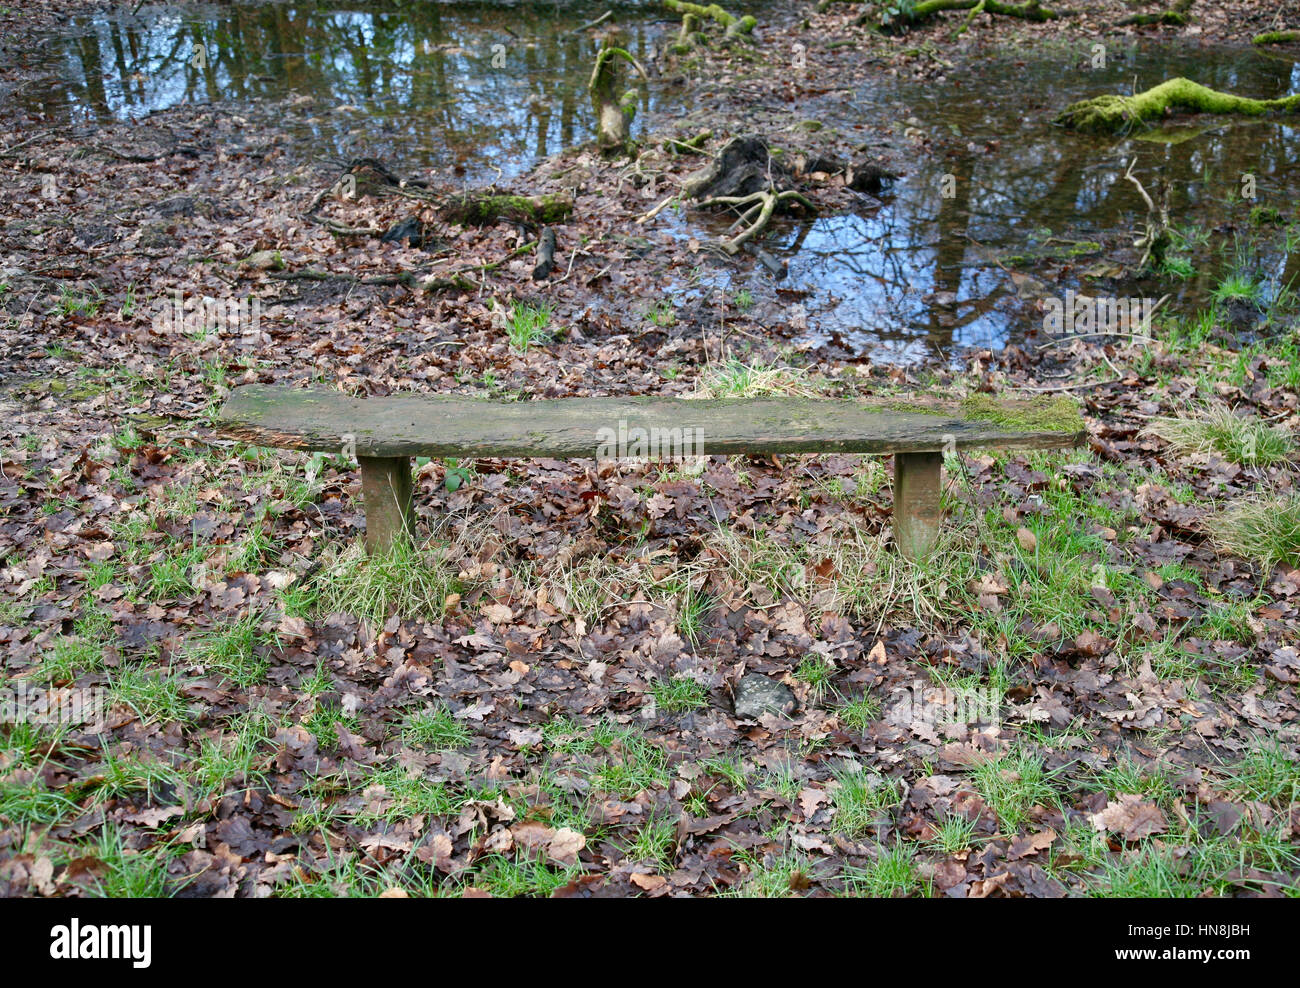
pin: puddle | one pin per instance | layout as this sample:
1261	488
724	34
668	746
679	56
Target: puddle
471	88
920	273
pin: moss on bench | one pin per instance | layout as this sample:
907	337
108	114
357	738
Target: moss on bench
1052	414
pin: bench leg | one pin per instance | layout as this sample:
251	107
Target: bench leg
386	495
917	514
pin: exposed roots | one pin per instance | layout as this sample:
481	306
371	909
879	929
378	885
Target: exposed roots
758	208
732	25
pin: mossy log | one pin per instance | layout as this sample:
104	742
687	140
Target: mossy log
1111	114
732	24
1176	16
1276	37
486	208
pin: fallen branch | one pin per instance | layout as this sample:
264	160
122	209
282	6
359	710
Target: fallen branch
597	22
486	208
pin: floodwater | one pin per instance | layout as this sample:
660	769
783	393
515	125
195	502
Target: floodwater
1000	209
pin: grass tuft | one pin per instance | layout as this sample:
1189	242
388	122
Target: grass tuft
408	580
1218	430
1265	530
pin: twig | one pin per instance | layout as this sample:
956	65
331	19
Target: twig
590	24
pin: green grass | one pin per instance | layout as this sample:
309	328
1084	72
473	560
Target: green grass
173	577
135	775
527	325
662	314
152	693
1127	776
236	651
693	607
128	872
631	764
773	875
953	834
404	795
862	800
509	878
1012	786
653	842
891	873
1269	773
679	694
80	652
437	730
860	713
81	303
26	801
817	671
242	752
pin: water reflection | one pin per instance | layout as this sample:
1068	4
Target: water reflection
478	86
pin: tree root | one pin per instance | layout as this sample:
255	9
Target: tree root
732	25
1176	16
758	210
1155	239
1111	114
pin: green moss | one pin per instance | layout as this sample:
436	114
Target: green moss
916	408
1042	413
1276	37
1111	114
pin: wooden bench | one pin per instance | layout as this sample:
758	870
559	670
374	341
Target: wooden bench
384	433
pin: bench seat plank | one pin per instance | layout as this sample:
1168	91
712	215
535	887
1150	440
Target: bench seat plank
439	425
